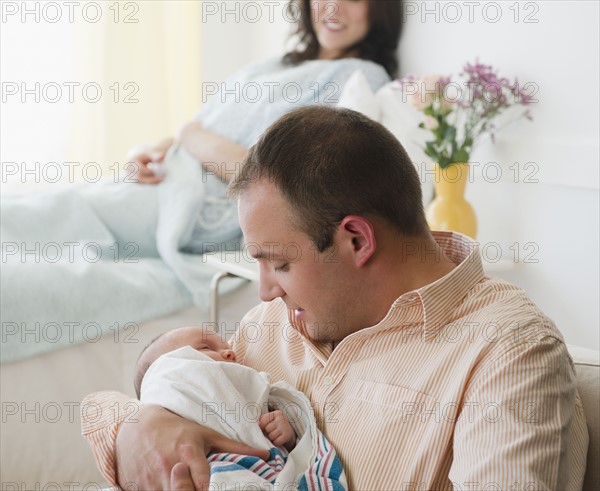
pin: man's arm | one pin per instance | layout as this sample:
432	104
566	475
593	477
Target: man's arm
101	415
521	425
140	446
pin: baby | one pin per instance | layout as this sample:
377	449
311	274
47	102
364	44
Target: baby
172	373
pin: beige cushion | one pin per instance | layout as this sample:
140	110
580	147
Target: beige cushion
587	366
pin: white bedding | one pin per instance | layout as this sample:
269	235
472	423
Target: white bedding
78	284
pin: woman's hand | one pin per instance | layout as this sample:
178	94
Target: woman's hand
140	157
162	450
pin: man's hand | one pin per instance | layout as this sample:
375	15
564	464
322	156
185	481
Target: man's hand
181	479
165	451
278	429
142	156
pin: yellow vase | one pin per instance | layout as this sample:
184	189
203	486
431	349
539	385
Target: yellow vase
449	210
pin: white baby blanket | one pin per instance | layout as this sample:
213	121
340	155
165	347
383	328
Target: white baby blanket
230	398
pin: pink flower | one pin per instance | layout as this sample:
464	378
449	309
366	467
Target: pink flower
419	100
432	83
429	89
430	123
447	104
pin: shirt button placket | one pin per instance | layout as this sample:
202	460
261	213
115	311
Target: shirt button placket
326	388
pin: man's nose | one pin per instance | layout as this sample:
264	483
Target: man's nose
269	286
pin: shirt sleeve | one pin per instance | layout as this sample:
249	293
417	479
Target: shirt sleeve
521	425
101	416
210	90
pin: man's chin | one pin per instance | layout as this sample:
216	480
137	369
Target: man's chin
321	333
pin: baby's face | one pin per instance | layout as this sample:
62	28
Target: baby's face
198	338
204	341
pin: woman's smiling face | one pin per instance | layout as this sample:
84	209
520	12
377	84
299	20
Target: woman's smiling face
339	24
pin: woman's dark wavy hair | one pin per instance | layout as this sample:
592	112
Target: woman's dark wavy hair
379	45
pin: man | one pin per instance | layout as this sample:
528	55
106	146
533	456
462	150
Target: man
423	372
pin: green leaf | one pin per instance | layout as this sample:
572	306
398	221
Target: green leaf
450	134
444	162
461	156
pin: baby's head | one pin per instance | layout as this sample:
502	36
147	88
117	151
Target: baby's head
205	341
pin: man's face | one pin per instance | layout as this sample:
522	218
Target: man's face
321	289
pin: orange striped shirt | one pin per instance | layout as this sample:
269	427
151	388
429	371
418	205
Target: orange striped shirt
465	384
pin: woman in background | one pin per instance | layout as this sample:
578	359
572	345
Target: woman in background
165	225
336	37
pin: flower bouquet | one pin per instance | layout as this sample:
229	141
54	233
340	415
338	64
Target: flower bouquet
459	112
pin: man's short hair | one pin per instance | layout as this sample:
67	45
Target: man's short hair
331	162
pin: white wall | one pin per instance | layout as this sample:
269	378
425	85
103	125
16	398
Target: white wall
553	219
236	33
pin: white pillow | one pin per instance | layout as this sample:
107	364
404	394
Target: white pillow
357	95
399	117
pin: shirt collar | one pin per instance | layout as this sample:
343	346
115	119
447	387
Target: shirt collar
432	305
441	298
321	351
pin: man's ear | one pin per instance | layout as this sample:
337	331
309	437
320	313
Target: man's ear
361	233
